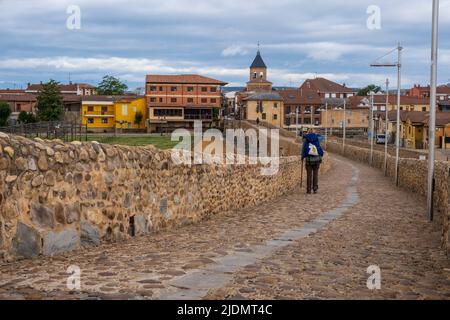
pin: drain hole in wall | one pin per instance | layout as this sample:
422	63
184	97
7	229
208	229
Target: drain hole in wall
131	227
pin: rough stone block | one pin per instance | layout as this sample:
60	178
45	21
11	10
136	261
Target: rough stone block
27	242
90	235
59	242
42	216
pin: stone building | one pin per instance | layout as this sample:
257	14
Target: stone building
259	101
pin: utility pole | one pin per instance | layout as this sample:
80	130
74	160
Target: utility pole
399	88
386	130
399	85
432	124
371	127
326	123
344	126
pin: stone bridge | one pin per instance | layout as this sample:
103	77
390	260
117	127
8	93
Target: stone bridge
251	237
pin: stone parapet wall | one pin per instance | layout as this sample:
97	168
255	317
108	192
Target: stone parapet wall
57	197
413	176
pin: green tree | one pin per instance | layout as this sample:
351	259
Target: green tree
5	112
138	117
371	87
50	106
111	86
26	117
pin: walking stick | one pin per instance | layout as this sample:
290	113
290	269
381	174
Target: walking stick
301	177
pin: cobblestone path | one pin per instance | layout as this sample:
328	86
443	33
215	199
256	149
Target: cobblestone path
297	247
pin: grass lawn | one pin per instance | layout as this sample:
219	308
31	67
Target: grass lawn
160	142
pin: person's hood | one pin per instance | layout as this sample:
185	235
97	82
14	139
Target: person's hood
312	137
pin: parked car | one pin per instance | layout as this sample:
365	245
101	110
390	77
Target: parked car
381	139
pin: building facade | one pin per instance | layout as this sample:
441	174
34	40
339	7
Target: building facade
179	100
107	113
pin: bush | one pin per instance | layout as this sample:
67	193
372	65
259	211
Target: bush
5	112
26	117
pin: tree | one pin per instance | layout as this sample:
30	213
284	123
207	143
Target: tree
138	117
111	86
371	87
50	106
5	112
26	117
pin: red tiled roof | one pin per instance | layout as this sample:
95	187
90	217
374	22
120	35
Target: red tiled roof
127	98
183	79
62	87
11	91
323	85
381	99
298	96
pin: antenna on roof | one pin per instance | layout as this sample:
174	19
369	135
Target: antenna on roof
258	46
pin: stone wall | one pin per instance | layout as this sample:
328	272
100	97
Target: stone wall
413	176
57	197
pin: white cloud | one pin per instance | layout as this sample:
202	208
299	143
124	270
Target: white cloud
234	50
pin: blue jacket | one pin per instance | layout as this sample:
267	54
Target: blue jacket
313	139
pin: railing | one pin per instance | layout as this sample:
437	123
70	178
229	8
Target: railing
66	131
198	117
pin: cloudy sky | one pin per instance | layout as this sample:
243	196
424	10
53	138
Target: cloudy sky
299	39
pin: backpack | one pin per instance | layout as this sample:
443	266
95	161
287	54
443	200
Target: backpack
312	150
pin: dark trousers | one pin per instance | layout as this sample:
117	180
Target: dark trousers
312	176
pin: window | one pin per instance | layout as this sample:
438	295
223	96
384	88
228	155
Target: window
190	89
213	100
264	116
90	120
333	95
204	89
124	110
424	109
173	100
152	99
90	109
275	105
213	89
204	100
104	110
152	88
105	121
255	75
173	89
168	112
275	117
190	100
349	121
161	88
161	100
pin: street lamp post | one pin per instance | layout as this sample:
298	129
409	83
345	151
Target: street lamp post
432	124
296	122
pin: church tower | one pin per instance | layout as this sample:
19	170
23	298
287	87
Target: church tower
258	75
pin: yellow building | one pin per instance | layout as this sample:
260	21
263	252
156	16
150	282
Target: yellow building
105	113
266	107
98	113
355	118
413	129
126	110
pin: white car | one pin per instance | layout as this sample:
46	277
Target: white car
381	139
